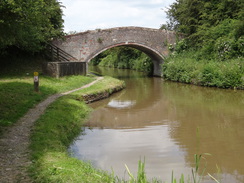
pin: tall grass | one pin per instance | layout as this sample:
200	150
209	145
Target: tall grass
195	177
141	174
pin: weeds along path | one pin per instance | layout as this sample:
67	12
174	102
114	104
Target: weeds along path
14	143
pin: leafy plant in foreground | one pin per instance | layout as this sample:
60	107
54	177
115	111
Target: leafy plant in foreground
141	174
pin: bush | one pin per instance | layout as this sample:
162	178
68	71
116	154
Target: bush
223	74
227	48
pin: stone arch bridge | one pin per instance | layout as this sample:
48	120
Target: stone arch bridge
86	45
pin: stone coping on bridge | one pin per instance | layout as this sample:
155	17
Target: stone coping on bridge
120	28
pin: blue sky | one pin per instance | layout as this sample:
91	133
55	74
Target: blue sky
82	15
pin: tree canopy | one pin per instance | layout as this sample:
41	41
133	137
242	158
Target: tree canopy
213	25
27	24
189	16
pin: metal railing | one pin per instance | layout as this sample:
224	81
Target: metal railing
59	55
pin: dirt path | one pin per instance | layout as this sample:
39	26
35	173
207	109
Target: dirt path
14	143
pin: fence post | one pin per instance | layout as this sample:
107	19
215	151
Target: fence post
36	82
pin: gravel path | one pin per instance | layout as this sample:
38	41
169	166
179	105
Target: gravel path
14	143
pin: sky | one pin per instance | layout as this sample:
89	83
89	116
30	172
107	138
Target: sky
82	15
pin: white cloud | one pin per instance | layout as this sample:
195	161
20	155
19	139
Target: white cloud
81	15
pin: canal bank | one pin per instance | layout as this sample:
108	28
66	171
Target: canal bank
15	141
54	163
57	128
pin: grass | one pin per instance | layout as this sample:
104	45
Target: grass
53	133
17	94
195	177
107	85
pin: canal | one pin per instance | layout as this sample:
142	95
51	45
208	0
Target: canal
165	123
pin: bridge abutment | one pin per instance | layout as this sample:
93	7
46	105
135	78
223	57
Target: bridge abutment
157	68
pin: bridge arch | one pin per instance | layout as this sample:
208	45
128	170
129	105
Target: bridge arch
156	57
86	45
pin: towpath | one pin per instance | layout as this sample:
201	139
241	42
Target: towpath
14	143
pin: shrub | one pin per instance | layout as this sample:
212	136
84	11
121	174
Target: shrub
186	69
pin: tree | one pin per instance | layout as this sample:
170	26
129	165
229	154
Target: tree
28	24
206	21
184	15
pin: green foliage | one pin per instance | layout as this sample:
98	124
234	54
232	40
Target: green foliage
124	58
227	48
186	68
187	15
184	15
221	42
28	24
95	61
212	52
213	27
181	46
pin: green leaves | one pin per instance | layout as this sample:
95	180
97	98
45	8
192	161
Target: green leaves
206	21
29	24
124	58
187	68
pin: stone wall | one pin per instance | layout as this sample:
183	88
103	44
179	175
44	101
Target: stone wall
59	69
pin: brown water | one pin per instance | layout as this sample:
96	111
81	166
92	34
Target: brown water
166	123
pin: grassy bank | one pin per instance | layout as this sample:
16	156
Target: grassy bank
187	68
17	94
56	129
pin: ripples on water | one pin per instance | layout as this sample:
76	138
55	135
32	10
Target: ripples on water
158	121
